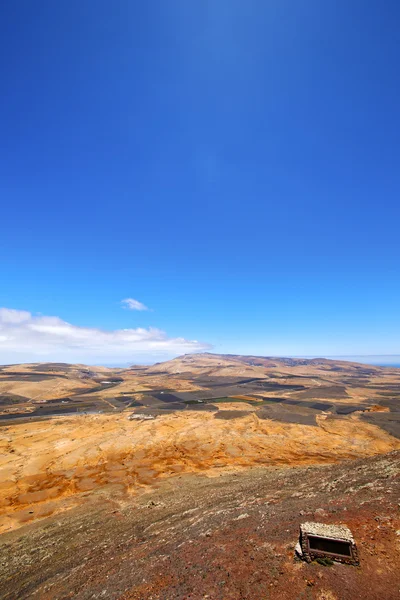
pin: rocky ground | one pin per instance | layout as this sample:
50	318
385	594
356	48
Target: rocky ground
231	536
189	479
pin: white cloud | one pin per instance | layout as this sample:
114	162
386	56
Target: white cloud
133	304
10	315
28	338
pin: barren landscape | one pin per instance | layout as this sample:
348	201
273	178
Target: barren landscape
192	477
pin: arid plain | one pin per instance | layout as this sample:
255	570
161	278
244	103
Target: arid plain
73	436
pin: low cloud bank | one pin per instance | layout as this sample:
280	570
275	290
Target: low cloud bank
28	338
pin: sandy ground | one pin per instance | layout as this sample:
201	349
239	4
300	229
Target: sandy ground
47	465
43	390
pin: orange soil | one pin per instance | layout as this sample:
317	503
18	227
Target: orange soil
45	462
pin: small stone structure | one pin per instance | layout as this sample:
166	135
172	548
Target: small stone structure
334	542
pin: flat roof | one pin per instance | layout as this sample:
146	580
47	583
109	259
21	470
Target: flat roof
339	532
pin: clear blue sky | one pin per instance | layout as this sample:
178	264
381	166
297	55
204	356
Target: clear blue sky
233	165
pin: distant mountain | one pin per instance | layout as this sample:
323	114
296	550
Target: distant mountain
219	363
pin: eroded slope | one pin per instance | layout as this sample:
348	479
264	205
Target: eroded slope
47	464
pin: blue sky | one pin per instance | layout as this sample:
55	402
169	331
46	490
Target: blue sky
234	166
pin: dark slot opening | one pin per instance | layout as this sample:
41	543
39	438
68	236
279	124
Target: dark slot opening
331	546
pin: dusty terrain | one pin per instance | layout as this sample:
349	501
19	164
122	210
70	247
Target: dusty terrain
81	447
229	537
49	463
